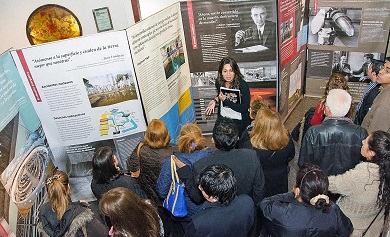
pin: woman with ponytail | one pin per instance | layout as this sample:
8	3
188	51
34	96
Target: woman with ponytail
60	217
192	147
365	189
307	211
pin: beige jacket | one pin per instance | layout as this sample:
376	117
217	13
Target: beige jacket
378	116
359	189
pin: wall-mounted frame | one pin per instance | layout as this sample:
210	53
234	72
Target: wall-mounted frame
52	22
102	19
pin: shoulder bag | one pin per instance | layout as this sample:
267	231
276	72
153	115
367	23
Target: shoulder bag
175	201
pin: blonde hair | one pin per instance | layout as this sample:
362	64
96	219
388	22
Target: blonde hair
256	104
157	135
190	139
58	190
268	131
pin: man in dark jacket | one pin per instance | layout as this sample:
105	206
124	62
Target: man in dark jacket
370	93
335	144
224	213
244	163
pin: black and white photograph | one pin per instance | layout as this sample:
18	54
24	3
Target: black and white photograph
335	26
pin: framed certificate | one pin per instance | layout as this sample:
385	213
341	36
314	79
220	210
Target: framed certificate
102	19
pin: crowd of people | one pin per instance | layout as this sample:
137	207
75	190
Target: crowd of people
240	187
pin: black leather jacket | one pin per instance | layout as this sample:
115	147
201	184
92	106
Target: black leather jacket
334	145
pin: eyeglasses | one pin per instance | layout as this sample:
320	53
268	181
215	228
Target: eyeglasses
385	69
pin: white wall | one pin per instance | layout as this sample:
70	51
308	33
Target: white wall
14	15
149	7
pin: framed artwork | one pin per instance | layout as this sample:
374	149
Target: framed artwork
52	22
102	19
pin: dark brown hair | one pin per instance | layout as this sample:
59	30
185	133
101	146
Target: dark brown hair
129	214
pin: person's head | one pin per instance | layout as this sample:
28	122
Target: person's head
268	131
259	15
104	165
311	187
374	68
190	139
256	105
58	191
368	57
336	81
343	59
225	134
156	134
129	214
384	74
218	184
229	72
376	149
338	102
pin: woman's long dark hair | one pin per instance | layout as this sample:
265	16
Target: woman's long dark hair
237	77
103	167
379	142
129	214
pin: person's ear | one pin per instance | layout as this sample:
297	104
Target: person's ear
297	191
371	154
327	111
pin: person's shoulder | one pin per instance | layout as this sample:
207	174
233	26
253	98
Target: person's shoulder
244	198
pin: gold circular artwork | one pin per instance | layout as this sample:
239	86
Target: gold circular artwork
50	23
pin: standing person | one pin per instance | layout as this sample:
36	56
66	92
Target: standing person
334	145
224	213
365	189
243	162
378	116
154	149
255	106
336	81
229	76
146	165
370	93
130	215
307	211
263	32
107	175
274	148
61	217
191	148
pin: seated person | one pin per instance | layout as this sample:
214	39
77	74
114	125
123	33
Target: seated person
262	32
307	211
130	215
223	213
106	174
61	217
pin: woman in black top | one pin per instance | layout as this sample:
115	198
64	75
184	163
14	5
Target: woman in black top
229	76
